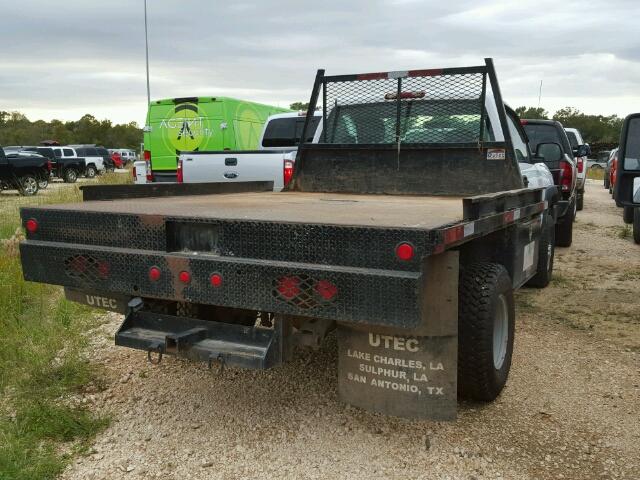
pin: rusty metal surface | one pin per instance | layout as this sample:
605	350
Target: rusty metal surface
405	211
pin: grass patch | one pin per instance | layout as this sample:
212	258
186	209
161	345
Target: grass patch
41	361
559	280
11	202
624	232
595	173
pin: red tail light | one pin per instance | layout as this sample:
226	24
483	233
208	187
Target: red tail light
405	251
185	277
179	176
147	159
31	225
326	289
566	175
49	166
288	287
135	175
215	280
154	274
287	172
580	164
524	122
104	269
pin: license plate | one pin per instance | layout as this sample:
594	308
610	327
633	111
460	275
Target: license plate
106	301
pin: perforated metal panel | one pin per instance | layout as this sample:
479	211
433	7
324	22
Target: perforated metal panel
285	242
377	297
417	107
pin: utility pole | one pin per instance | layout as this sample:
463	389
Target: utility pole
146	44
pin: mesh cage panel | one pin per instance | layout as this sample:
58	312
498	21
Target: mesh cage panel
444	108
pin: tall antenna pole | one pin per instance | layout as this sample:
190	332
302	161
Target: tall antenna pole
539	91
146	44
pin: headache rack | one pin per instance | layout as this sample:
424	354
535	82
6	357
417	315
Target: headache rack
403	132
430	95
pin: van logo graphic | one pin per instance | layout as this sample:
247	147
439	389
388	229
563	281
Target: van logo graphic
185	128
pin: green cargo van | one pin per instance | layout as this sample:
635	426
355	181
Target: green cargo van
200	123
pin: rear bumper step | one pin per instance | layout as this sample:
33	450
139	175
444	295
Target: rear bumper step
202	340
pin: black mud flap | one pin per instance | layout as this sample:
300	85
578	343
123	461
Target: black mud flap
405	376
202	340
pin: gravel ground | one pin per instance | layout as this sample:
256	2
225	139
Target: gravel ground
571	408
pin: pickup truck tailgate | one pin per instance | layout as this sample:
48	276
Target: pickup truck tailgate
232	166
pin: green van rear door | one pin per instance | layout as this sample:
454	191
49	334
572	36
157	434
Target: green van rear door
182	124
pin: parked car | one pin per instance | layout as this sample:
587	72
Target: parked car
613	170
600	160
139	172
627	186
109	164
43	178
22	172
94	162
66	168
581	151
273	161
542	134
127	156
116	159
607	169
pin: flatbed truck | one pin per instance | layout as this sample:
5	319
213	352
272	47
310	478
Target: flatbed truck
406	229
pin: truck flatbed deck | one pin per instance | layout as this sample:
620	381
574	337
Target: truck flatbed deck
422	212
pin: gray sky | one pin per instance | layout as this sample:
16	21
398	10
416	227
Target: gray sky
64	59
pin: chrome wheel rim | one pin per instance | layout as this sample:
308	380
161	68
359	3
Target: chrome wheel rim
500	332
549	253
30	186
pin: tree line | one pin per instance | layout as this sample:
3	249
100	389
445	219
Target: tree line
17	129
595	129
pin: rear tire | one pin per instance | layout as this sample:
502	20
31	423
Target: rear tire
606	180
564	228
627	214
90	172
70	175
28	185
636	224
580	201
546	254
486	321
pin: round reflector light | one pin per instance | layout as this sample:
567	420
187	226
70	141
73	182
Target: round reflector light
185	277
405	251
154	274
31	225
216	280
326	289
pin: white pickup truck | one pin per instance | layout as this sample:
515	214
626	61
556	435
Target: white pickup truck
273	161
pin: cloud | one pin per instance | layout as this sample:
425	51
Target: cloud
61	58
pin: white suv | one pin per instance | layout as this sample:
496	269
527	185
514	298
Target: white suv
95	164
581	151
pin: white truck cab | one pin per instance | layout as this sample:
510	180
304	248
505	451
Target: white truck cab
272	161
578	143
